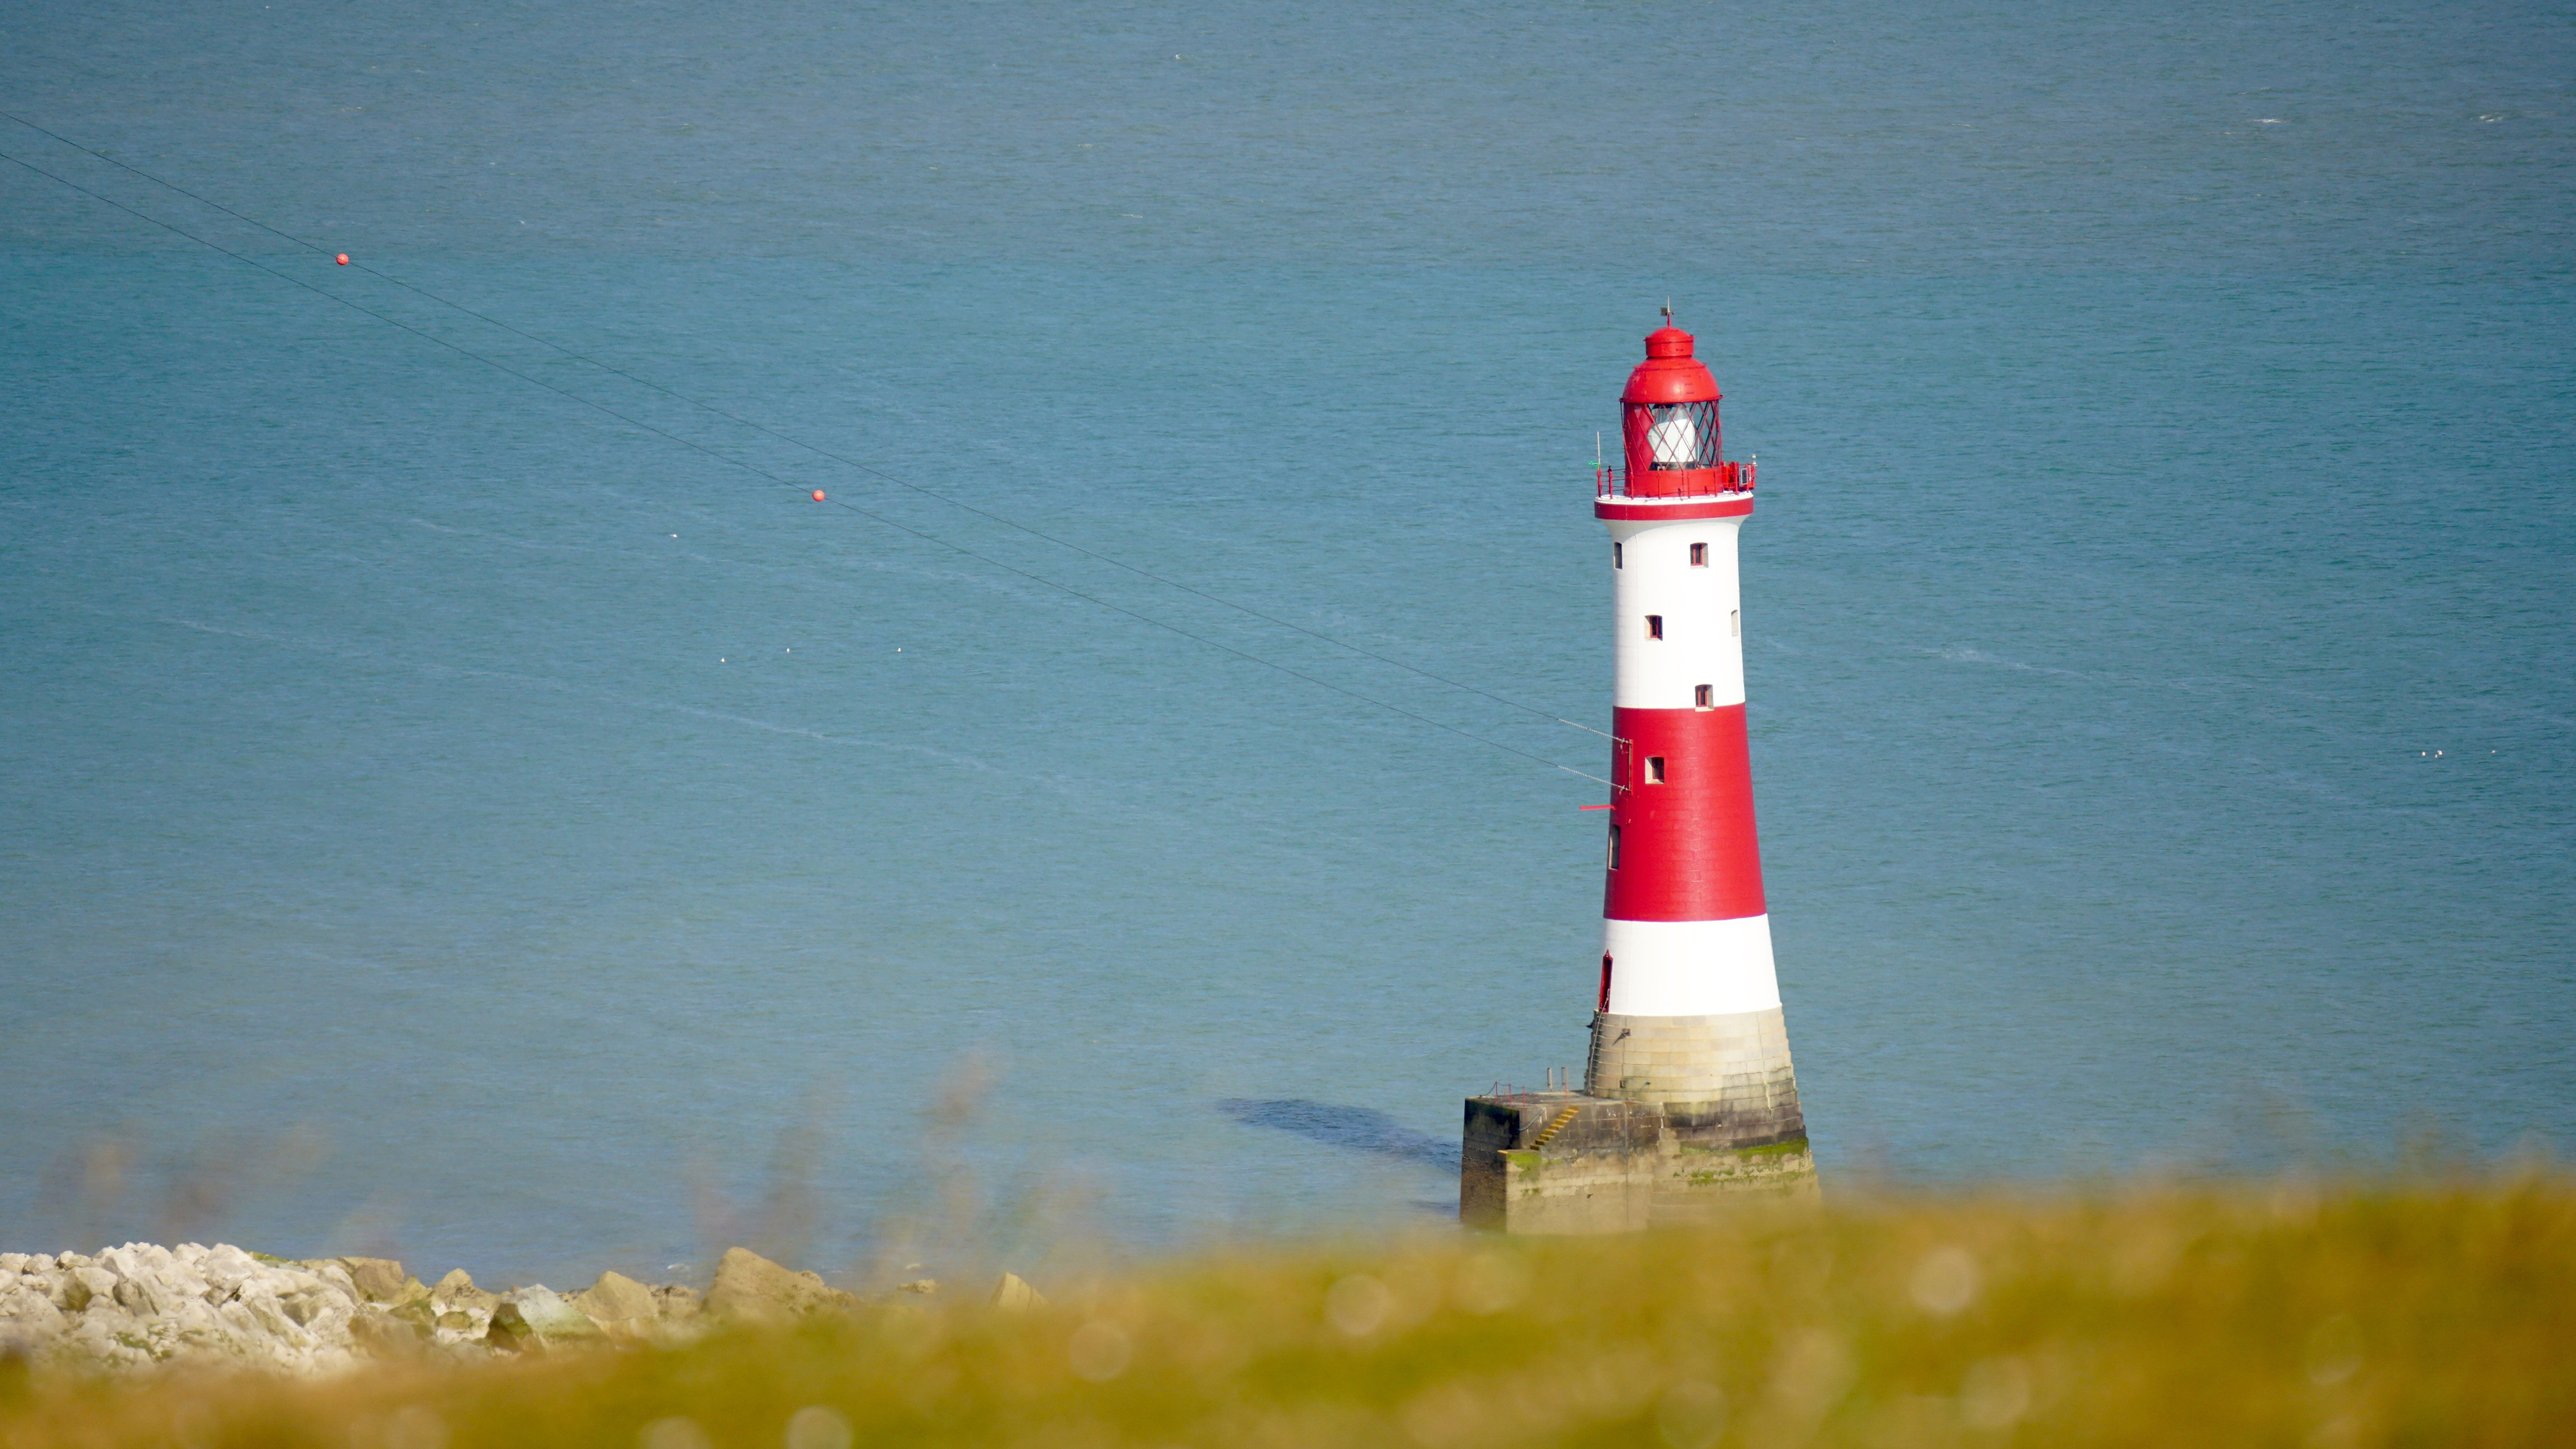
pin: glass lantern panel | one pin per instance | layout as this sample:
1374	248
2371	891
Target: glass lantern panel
1680	436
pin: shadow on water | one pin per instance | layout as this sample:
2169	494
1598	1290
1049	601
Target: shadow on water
1353	1129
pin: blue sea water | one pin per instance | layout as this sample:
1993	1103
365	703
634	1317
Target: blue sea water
438	815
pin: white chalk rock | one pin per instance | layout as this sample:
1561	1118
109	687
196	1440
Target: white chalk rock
619	1304
392	1330
271	1321
381	1280
28	1318
140	1304
535	1318
106	1334
1012	1294
336	1274
243	1326
76	1287
196	1327
226	1267
136	1260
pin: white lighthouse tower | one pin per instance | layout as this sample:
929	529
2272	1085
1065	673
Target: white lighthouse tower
1689	1091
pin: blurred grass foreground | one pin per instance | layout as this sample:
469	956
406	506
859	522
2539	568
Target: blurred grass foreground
2291	1315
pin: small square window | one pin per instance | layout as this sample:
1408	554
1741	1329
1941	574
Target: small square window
1618	555
1699	555
1654	626
1614	847
1654	769
1701	696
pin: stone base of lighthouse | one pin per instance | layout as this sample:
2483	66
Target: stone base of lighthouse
1683	1116
1724	1082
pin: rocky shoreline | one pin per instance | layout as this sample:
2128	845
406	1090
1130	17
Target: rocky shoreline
143	1304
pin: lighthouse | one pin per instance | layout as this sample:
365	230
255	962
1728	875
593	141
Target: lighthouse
1688	1092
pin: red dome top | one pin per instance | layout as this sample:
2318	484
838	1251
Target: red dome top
1670	374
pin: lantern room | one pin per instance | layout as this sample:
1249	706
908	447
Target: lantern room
1669	422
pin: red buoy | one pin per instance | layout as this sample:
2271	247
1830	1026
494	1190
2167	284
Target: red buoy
818	495
344	259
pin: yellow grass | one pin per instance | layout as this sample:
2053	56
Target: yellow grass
2433	1314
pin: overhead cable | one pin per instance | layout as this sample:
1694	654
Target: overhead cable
758	471
793	441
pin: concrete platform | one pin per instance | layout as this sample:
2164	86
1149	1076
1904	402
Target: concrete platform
1570	1162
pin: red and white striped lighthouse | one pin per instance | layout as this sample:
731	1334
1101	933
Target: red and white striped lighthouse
1689	1097
1688	1014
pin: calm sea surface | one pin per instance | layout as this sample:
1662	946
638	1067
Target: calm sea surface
438	815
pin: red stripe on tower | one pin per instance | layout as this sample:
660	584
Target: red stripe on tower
1685	817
